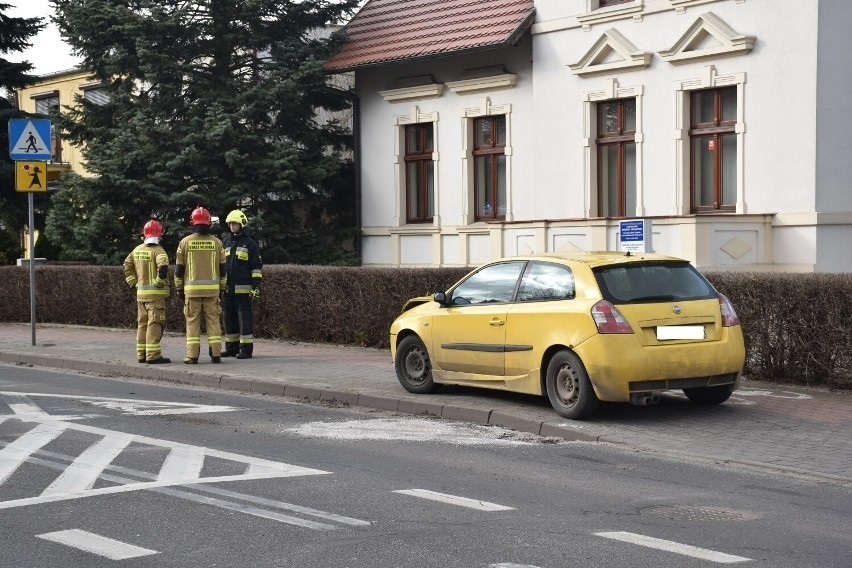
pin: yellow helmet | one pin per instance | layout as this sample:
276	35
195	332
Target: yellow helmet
237	216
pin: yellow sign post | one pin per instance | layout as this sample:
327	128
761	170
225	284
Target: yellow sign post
30	176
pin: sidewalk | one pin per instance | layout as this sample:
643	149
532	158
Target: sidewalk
801	431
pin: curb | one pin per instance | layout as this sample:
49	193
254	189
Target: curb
239	384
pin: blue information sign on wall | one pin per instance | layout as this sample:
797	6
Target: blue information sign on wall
634	235
29	139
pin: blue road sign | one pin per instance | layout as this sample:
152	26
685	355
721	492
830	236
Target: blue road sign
29	139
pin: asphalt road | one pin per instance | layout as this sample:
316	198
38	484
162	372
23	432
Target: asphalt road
94	468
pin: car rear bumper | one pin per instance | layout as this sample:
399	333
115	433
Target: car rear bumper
619	365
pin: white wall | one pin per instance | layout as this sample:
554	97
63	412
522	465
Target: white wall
795	122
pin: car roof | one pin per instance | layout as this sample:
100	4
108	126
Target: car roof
597	258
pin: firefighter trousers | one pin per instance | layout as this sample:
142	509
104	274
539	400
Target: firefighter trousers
150	319
239	328
209	309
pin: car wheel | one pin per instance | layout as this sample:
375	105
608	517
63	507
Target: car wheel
413	366
569	388
706	396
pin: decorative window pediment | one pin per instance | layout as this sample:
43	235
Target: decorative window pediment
708	37
410	88
612	52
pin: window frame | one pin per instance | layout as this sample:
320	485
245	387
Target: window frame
714	131
491	152
619	138
424	160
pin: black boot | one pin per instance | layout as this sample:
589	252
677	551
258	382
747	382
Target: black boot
245	351
231	349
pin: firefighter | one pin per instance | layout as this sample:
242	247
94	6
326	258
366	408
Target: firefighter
244	275
200	281
146	268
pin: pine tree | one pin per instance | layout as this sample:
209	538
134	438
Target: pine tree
213	103
15	34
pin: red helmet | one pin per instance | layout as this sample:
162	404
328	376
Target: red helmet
200	216
152	229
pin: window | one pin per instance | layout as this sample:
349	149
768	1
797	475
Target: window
493	284
713	149
46	104
653	282
419	173
616	146
489	178
605	3
544	282
96	95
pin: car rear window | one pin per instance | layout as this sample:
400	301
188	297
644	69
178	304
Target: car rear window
653	282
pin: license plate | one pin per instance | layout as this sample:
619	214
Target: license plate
665	332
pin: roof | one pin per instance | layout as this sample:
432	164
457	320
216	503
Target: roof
388	31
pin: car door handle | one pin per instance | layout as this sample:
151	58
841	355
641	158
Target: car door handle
495	322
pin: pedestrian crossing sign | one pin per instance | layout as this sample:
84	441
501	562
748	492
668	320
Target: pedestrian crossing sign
29	139
30	176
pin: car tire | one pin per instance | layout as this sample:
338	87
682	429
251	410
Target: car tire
414	367
569	388
708	396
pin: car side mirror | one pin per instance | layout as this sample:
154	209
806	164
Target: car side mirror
440	297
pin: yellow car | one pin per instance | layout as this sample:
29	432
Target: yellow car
578	327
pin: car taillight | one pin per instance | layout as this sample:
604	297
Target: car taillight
729	315
609	319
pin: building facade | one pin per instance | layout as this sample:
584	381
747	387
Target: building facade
721	122
50	94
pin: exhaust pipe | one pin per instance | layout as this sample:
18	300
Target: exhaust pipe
644	398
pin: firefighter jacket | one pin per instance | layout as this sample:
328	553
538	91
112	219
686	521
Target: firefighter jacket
147	268
244	265
200	265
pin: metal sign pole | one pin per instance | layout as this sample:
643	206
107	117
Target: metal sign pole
32	269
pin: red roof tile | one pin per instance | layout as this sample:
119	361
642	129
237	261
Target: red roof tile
386	31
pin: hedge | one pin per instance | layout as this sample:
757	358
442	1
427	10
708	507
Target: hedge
797	326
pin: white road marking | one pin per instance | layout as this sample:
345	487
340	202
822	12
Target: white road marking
126	405
21	451
96	544
281	505
510	565
85	469
676	547
454	500
15	453
183	493
183	462
773	394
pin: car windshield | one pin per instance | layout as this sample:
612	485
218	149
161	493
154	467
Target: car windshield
653	282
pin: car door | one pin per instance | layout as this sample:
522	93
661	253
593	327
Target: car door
468	335
540	315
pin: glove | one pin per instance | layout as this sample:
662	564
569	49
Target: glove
179	295
254	294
